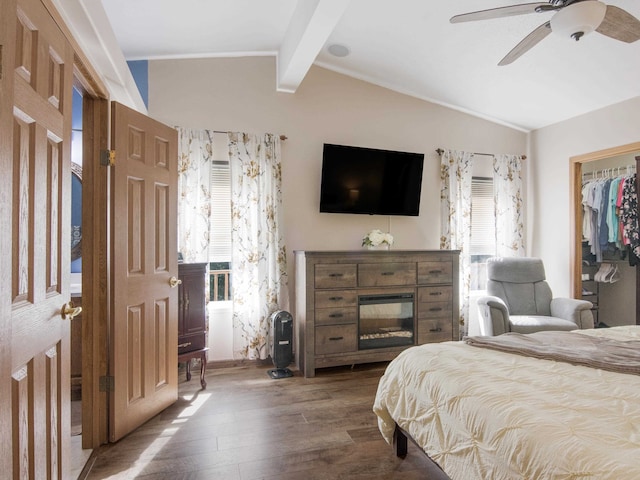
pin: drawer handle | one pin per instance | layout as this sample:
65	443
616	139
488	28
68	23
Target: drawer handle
335	299
433	272
335	274
437	329
183	345
387	273
435	309
335	315
435	294
335	338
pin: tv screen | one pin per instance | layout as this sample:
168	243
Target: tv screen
370	181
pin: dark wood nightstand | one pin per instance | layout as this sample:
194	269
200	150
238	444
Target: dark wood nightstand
202	355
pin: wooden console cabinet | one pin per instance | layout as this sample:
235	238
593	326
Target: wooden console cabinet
329	284
192	328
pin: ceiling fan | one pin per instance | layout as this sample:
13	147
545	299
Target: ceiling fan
572	19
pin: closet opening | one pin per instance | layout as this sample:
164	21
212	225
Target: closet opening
604	270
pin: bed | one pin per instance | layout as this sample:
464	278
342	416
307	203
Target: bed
485	414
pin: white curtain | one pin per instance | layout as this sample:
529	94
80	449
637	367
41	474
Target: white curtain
195	148
507	191
259	256
455	201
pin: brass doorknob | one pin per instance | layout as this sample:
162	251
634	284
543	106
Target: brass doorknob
69	310
174	282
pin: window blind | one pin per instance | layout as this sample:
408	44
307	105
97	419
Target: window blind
483	230
220	226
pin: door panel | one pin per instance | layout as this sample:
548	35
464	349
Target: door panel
38	226
145	312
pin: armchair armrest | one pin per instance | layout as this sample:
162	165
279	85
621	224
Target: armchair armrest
574	310
493	316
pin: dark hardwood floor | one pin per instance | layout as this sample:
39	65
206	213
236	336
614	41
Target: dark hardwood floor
246	425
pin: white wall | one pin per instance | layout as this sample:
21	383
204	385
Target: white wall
239	95
548	201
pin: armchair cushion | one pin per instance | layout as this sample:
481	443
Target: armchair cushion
536	323
521	283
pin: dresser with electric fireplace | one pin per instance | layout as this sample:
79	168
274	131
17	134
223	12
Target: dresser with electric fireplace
365	306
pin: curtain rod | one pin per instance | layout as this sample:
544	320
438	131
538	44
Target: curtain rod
441	151
282	137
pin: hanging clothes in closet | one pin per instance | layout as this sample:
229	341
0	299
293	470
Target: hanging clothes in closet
610	215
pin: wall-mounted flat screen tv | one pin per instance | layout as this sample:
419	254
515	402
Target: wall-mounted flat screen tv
370	181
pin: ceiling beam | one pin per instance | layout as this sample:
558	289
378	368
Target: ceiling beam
311	24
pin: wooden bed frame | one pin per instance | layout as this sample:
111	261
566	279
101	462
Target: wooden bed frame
400	437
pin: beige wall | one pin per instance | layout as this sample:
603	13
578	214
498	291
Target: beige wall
239	94
548	222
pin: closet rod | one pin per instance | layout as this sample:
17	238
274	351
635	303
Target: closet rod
624	170
441	151
282	137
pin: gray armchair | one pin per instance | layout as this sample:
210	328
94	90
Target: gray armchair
520	300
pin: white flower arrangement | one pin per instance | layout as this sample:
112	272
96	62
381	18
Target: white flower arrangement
376	238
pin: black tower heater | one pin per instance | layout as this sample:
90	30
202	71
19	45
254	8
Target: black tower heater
281	344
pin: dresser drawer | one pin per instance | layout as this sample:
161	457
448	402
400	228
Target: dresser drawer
434	272
329	299
434	310
336	316
435	330
335	275
386	274
435	294
336	339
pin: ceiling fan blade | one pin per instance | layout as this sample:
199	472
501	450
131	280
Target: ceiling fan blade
500	12
620	25
527	43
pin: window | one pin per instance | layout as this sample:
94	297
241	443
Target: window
483	230
220	233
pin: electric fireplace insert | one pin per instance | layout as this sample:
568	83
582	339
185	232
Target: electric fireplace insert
385	320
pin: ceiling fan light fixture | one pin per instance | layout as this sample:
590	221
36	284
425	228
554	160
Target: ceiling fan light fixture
578	19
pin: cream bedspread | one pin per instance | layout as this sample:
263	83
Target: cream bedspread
489	415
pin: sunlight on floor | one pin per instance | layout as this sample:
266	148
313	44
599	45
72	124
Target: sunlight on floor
145	458
195	405
195	402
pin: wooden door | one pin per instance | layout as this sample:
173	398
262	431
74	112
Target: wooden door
35	89
144	327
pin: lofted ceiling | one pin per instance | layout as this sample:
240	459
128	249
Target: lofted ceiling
405	45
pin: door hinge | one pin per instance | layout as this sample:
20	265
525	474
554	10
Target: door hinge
107	383
107	158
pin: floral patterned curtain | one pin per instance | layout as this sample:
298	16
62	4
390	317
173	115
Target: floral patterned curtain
507	192
455	202
195	148
259	255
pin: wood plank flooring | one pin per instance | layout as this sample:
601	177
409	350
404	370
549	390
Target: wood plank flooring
247	426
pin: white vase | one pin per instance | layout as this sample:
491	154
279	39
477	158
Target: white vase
383	246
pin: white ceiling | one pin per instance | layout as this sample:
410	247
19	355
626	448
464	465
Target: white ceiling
405	45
